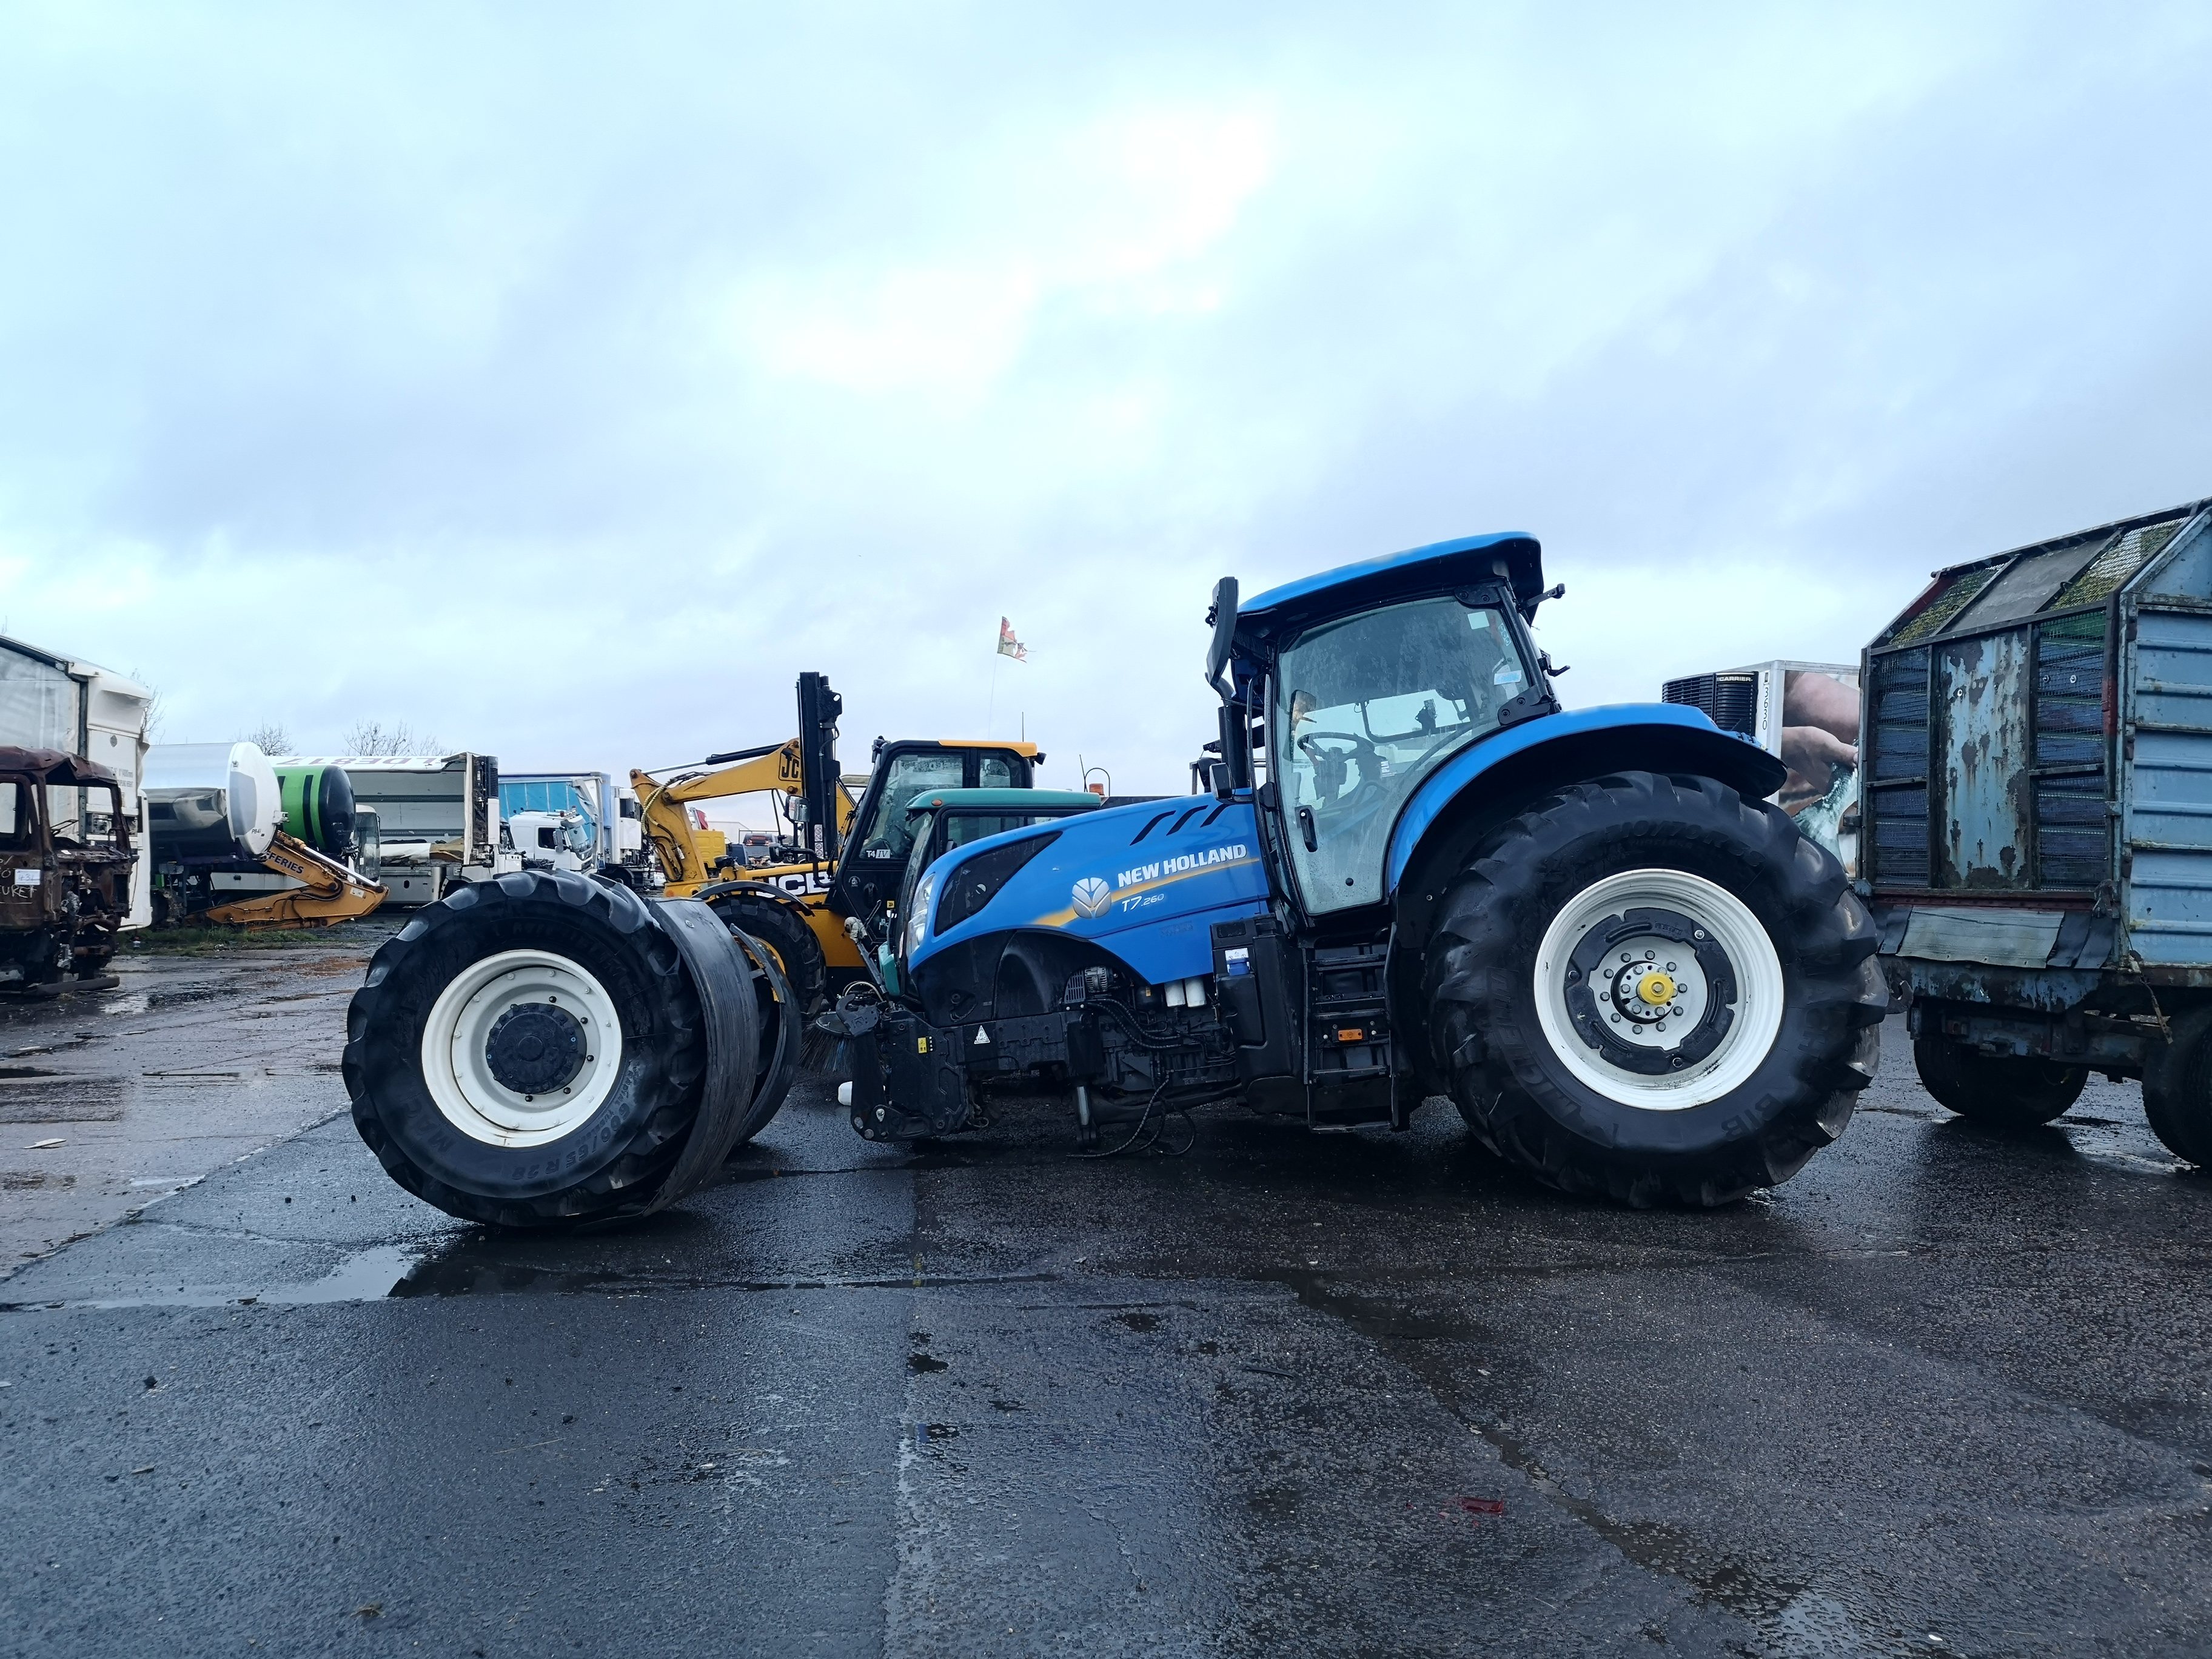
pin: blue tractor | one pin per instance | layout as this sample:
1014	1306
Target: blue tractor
1414	875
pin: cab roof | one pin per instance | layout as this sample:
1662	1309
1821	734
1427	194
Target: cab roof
54	766
1059	802
1378	581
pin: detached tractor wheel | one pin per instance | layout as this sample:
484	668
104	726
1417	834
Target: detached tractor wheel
545	1049
2178	1089
1650	989
779	1022
2001	1091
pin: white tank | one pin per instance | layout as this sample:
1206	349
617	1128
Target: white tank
211	801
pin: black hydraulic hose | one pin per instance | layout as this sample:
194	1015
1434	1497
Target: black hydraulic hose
1136	1032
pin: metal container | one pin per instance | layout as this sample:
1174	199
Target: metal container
211	802
318	807
2038	788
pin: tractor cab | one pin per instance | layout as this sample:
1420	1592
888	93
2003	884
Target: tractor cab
881	837
65	859
1352	688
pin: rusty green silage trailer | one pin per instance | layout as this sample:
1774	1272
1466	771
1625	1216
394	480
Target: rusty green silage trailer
2037	792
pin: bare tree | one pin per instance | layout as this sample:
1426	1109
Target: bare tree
375	738
157	708
271	738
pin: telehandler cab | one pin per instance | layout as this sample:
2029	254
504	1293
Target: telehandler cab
1414	876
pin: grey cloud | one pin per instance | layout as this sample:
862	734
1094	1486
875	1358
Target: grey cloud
567	386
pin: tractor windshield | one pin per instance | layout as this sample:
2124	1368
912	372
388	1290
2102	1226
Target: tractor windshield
888	834
1364	709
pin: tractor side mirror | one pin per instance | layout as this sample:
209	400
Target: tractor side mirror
1223	616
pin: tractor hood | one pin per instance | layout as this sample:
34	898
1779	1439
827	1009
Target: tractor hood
1144	882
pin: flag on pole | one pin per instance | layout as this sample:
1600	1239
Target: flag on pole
1008	645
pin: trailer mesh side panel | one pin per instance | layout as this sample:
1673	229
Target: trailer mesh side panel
1948	603
2128	554
2072	831
1898	810
2070	692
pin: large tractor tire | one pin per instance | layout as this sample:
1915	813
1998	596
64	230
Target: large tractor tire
544	1049
2177	1089
1650	989
775	921
2000	1091
782	1034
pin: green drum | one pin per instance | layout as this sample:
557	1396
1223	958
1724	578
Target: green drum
318	807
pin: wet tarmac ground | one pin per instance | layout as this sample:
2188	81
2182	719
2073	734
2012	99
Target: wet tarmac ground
1364	1394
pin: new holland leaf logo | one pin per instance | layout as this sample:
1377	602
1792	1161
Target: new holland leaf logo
1091	896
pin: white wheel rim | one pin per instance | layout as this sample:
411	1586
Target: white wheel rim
458	1070
1725	922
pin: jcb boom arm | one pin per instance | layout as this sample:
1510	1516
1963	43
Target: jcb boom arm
669	829
330	893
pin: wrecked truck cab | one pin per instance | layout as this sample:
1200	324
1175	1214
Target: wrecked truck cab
65	867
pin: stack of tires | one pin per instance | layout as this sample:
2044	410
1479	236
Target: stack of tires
547	1049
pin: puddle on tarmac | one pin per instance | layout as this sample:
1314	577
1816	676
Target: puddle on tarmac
421	1270
367	1277
175	996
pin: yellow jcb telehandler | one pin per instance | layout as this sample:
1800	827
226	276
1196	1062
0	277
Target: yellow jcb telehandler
842	862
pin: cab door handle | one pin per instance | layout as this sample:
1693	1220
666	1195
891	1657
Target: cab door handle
1306	829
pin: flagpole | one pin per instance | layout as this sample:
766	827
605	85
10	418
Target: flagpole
992	709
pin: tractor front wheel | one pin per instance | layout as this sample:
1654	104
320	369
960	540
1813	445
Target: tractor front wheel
1649	988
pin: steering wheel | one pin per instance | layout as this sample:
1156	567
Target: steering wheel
1329	764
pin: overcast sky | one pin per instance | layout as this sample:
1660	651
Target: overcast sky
563	380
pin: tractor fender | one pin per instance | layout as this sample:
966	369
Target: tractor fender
759	889
1481	787
1538	756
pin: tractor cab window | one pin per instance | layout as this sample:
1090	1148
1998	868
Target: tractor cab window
888	835
15	821
1364	709
994	772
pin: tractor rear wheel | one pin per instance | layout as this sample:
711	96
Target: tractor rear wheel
544	1049
1649	988
2002	1091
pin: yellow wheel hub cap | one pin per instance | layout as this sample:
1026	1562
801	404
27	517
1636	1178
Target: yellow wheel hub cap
1655	989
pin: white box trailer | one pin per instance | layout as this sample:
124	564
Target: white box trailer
437	817
51	702
1808	714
